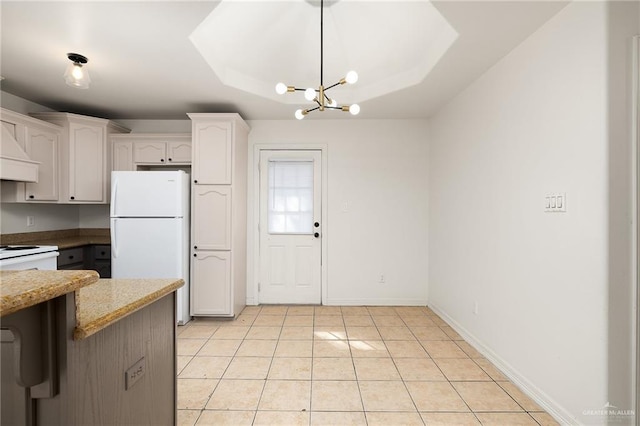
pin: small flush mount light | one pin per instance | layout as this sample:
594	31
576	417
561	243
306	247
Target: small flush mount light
76	75
323	102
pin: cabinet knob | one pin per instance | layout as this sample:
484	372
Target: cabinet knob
195	181
72	197
170	159
31	197
195	247
195	254
103	253
70	257
162	160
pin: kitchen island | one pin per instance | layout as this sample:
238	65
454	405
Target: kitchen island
106	352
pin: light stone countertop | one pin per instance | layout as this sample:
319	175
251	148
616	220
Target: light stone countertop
22	289
99	302
109	300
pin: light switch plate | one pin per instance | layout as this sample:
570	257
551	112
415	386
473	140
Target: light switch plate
555	202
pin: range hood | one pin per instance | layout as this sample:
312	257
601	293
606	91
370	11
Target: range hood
15	164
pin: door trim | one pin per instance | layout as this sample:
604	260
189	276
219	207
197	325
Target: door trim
635	247
253	216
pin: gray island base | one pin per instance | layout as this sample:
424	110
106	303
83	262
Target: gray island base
106	353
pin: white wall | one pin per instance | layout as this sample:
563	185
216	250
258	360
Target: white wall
48	217
379	169
157	126
536	123
20	105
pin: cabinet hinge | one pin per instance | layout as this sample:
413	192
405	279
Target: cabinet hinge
258	287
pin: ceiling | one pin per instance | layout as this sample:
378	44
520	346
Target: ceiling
143	64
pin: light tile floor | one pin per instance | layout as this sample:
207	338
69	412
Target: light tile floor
328	365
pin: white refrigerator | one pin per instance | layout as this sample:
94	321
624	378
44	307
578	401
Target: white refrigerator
150	228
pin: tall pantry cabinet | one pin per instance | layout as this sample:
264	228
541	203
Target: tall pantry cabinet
218	214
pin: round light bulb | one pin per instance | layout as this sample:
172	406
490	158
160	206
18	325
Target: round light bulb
351	77
299	114
281	88
354	109
77	72
310	94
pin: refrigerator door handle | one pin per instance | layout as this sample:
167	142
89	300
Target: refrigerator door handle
114	245
114	197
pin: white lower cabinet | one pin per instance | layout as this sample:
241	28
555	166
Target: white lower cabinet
212	271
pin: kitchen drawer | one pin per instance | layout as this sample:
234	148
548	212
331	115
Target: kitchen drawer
70	257
102	252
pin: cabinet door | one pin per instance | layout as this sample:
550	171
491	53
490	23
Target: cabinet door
42	146
211	288
149	152
179	152
87	163
212	153
212	217
122	156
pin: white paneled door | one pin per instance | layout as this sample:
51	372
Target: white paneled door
290	226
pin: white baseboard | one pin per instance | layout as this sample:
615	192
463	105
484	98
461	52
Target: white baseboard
561	415
375	302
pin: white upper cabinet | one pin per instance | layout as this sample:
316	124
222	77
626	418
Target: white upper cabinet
179	152
85	160
213	143
150	149
87	163
122	159
150	152
41	142
42	145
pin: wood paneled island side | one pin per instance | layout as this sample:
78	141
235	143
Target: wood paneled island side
106	352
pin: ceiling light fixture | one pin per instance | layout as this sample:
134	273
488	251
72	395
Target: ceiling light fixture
76	75
319	95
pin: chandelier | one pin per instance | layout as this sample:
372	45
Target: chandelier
319	95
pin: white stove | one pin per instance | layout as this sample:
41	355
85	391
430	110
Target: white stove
28	257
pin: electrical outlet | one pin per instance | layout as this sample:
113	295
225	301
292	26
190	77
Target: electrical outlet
134	374
382	281
31	221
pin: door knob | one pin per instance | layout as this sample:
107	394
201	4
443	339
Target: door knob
316	235
316	224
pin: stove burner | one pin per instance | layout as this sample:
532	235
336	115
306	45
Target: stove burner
13	248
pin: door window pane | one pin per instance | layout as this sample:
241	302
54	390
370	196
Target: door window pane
290	197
